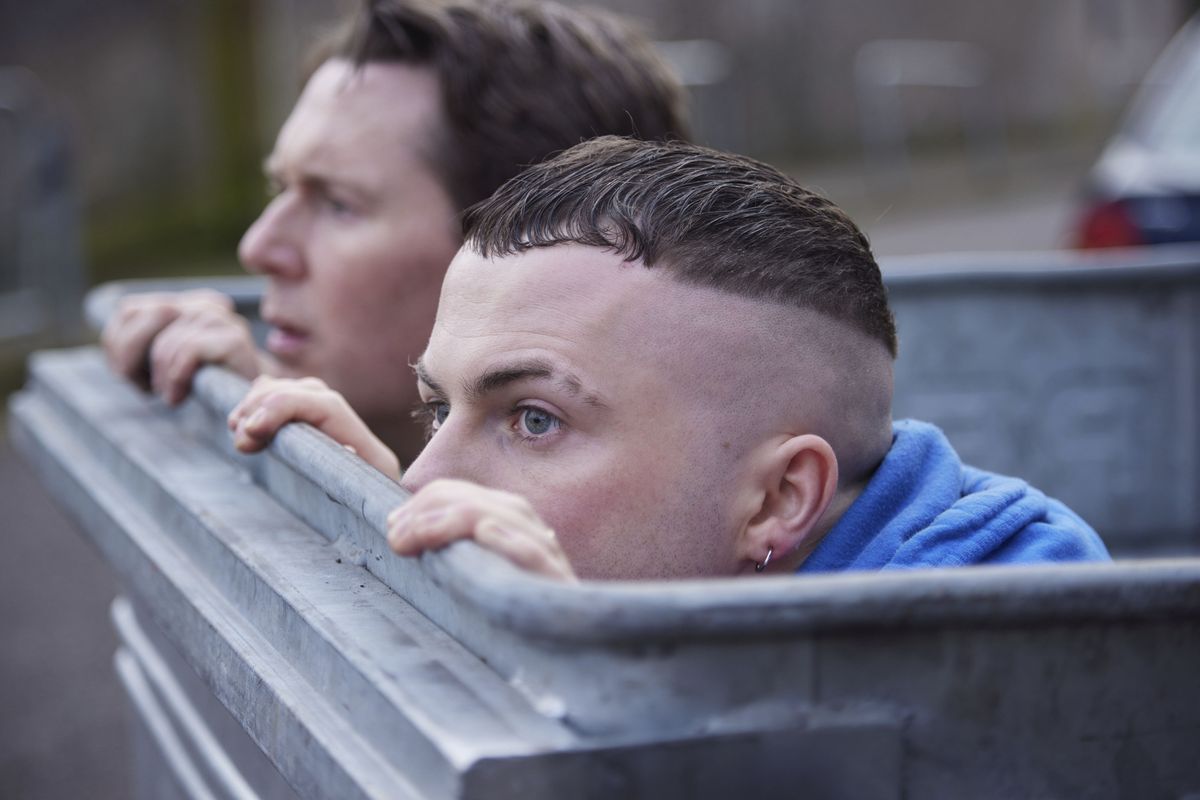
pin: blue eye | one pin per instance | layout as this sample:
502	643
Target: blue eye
536	422
440	412
337	206
431	415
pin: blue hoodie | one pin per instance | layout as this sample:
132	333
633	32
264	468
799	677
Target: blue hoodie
925	508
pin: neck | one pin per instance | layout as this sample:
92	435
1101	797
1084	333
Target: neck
837	507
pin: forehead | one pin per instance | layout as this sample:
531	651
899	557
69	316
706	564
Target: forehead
363	120
553	292
593	310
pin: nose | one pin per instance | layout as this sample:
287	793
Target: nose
272	246
444	456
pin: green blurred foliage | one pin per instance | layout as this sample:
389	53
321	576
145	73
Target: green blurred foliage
164	231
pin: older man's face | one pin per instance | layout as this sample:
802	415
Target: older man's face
602	392
356	240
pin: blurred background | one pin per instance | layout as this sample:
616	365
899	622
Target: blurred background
131	137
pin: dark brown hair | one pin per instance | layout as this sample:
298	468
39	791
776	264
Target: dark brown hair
520	80
710	218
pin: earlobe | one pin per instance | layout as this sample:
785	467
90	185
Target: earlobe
801	478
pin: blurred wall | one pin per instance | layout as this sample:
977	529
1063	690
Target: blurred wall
174	103
1052	63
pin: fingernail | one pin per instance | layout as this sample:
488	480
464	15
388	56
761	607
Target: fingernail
396	534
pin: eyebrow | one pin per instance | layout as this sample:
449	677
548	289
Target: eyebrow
424	377
273	171
499	377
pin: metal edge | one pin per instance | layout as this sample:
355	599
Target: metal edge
157	674
946	271
607	612
515	729
162	581
158	723
101	301
992	595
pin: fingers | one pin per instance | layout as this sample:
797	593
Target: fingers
140	318
447	511
272	403
127	336
203	334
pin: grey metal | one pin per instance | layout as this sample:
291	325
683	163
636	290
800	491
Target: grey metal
245	291
186	777
1080	373
41	261
147	677
231	764
359	673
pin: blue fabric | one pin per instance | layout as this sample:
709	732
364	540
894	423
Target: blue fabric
925	508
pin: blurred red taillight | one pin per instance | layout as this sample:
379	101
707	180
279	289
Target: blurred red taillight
1108	225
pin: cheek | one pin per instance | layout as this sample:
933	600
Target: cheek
663	515
382	290
373	314
611	514
593	524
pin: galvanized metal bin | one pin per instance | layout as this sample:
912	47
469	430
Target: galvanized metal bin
1080	373
361	674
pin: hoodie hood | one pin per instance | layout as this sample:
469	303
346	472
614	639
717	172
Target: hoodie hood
924	508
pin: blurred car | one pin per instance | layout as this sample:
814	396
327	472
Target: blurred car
1145	188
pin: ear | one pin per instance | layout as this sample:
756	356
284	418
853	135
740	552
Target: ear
800	481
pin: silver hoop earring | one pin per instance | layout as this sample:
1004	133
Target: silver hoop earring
760	567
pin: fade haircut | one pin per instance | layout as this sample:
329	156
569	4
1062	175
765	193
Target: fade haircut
520	80
710	219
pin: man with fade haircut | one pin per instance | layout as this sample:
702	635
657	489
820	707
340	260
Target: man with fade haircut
680	362
415	111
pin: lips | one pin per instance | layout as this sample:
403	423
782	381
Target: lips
285	340
286	343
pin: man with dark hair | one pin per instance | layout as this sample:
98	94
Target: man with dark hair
681	362
416	110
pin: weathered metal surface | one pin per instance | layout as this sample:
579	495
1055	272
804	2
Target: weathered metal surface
204	747
359	673
1078	373
245	291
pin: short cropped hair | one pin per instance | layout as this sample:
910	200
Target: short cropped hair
709	218
520	80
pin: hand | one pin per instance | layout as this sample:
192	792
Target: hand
201	334
271	403
445	511
159	340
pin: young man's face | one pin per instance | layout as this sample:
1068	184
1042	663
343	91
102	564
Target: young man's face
357	238
603	392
